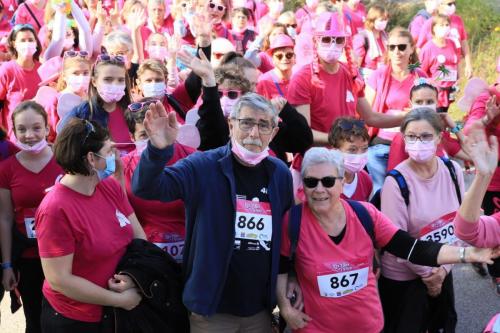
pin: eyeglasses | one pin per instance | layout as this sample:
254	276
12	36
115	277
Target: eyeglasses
246	125
138	106
328	182
426	137
231	93
401	47
73	54
89	128
288	55
348	125
330	40
220	8
293	25
218	55
106	57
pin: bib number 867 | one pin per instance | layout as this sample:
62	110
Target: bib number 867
345	281
250	223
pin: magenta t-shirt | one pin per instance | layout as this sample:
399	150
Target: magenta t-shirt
457	31
119	131
268	85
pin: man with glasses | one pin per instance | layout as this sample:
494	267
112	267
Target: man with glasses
235	197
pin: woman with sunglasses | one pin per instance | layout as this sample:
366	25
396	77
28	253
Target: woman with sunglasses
163	222
275	82
333	255
257	52
392	84
108	99
288	19
219	12
19	78
33	167
327	88
84	225
419	298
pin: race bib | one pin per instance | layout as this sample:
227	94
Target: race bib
29	223
440	231
254	224
452	76
344	283
175	249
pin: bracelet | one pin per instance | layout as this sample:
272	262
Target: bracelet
456	129
6	265
462	255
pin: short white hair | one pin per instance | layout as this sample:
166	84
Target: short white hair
255	102
321	155
118	38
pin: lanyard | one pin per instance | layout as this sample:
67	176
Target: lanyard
273	76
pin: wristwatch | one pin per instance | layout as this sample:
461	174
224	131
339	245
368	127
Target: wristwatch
462	255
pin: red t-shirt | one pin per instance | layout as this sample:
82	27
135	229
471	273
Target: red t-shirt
95	229
119	131
267	85
364	187
17	179
323	268
334	99
163	222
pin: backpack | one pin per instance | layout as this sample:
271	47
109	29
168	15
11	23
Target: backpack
403	186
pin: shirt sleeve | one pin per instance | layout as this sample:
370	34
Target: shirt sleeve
484	233
285	239
54	233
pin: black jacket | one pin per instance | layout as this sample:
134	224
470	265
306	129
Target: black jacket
159	279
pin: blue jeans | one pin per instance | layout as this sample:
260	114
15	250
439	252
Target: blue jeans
378	156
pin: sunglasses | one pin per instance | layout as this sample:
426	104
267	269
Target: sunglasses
184	4
73	54
294	25
328	182
230	93
348	125
89	128
138	106
107	57
451	4
330	40
220	8
288	55
401	47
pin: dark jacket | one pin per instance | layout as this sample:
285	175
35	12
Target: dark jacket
294	135
205	182
159	279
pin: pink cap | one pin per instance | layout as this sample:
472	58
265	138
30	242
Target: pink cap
50	70
280	41
330	24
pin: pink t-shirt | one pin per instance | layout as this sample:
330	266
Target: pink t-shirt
119	131
364	187
433	203
361	47
302	15
416	26
17	179
356	22
16	85
23	16
95	229
268	85
433	58
163	222
477	111
334	99
457	31
484	233
333	307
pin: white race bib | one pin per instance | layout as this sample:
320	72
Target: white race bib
343	283
440	231
29	223
452	76
253	222
175	249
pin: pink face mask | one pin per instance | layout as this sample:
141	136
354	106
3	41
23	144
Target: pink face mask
111	93
246	155
421	152
355	162
35	149
330	53
158	52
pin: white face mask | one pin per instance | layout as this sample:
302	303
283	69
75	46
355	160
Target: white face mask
26	49
292	32
449	10
78	83
380	25
154	89
442	32
432	106
68	43
330	53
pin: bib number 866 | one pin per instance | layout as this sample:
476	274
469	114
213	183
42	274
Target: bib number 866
250	223
345	281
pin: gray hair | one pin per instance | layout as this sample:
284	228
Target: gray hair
255	102
321	155
423	113
117	38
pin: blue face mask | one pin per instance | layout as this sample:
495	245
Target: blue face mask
110	167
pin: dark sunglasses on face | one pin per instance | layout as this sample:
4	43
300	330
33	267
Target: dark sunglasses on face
107	57
330	40
348	125
231	93
138	106
401	47
72	54
452	4
327	182
294	25
288	55
220	8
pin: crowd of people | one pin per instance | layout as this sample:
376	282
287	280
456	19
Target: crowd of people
301	161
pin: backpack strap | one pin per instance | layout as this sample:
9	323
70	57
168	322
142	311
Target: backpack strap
33	15
403	187
174	103
364	217
4	149
294	220
454	178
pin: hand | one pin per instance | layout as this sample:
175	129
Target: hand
468	71
161	126
486	256
492	109
296	319
201	25
264	27
129	299
9	280
173	44
434	282
120	283
100	13
114	15
484	154
200	66
292	287
137	20
279	103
